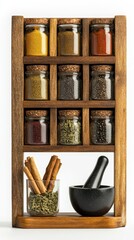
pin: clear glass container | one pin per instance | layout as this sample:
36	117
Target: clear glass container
36	82
102	37
45	204
36	127
36	37
102	82
69	82
102	127
69	37
69	127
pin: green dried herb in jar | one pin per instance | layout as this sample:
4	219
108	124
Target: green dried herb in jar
36	82
45	204
69	127
69	37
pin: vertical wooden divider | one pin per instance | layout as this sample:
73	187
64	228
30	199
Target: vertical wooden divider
120	118
17	116
85	52
53	81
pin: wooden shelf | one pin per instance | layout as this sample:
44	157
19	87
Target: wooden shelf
69	104
69	60
63	148
67	220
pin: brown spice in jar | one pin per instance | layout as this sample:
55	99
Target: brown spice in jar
69	37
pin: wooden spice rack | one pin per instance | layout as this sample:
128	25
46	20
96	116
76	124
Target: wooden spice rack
70	220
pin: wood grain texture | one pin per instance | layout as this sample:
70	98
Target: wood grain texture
70	60
85	37
85	126
61	148
120	117
69	104
53	82
69	221
17	116
53	126
53	52
53	37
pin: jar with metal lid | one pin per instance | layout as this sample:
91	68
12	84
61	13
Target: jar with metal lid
36	37
102	127
102	37
69	127
102	82
69	37
36	82
36	127
69	82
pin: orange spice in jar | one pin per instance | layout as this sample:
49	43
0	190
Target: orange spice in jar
36	37
101	37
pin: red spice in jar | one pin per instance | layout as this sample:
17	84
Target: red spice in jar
36	127
101	37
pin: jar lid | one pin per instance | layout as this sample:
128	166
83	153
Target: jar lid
36	113
102	67
102	21
36	21
69	21
30	68
69	68
101	113
69	113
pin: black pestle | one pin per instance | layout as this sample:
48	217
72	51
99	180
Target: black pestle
95	178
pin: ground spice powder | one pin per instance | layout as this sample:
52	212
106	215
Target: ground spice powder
36	127
36	37
101	37
69	37
36	82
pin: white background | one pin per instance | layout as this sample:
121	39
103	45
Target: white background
76	167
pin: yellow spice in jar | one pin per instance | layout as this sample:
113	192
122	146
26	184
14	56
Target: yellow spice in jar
36	87
36	43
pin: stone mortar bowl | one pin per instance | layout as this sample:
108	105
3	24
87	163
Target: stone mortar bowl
91	201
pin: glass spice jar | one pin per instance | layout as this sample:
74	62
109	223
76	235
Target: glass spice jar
69	82
69	127
102	82
69	37
36	127
36	82
43	205
101	37
102	127
36	37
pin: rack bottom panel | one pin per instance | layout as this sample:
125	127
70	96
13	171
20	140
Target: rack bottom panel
69	220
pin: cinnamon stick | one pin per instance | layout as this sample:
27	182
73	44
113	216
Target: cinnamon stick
36	175
27	164
54	174
49	170
32	181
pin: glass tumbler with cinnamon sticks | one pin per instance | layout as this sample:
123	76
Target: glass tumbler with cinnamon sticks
42	193
43	204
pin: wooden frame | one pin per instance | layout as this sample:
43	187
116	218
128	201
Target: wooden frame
118	218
